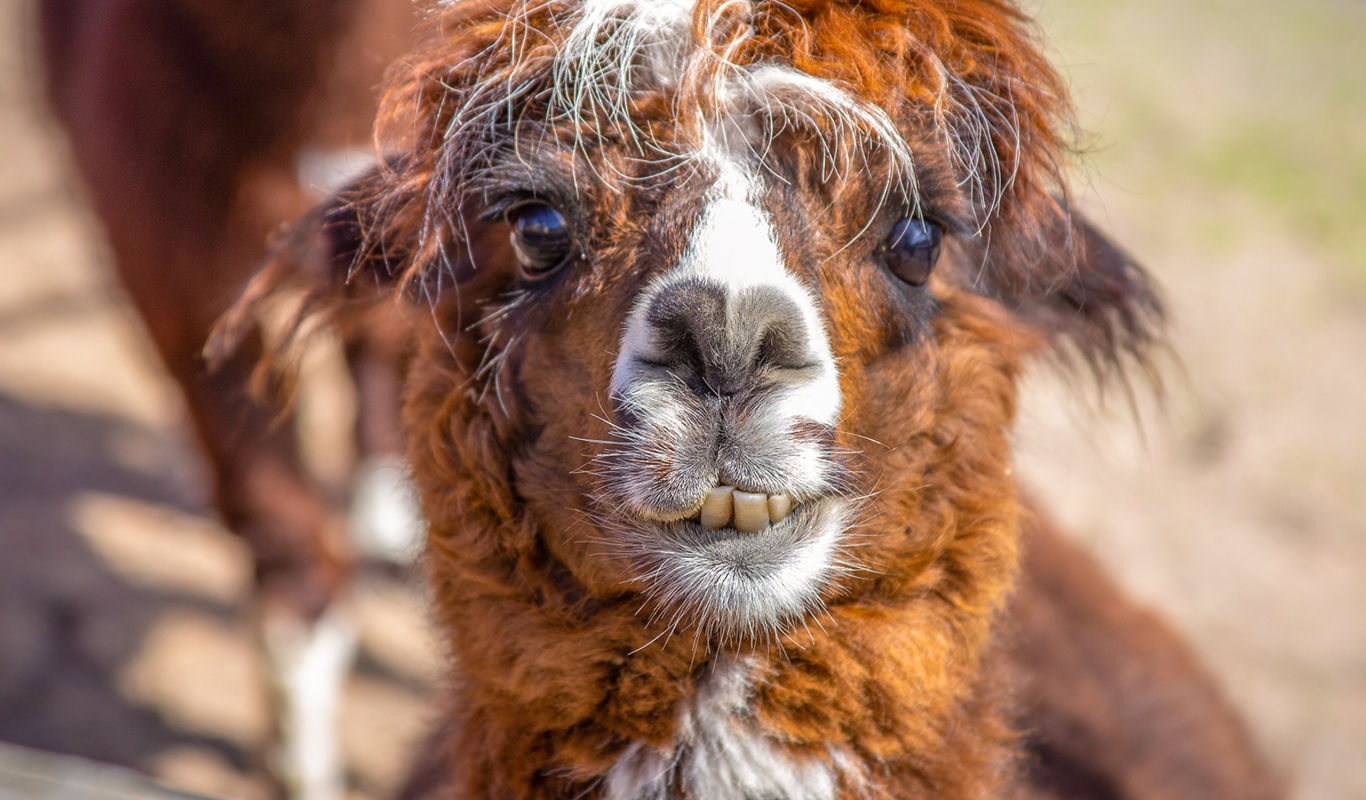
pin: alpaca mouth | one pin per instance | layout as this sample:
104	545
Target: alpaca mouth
745	585
759	539
746	512
728	555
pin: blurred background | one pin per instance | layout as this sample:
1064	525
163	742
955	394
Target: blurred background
1225	145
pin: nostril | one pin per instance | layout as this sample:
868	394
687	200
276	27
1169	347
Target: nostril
720	344
687	324
780	340
782	346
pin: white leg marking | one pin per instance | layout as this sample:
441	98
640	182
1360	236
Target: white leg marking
308	664
386	522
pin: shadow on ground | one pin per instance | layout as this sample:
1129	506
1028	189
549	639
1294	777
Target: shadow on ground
69	625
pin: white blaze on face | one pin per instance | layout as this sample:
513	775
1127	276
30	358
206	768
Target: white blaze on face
734	246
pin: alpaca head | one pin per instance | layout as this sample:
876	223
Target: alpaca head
728	299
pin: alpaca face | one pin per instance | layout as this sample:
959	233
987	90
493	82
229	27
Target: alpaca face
715	278
684	347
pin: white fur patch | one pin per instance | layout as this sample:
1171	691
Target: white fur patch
308	664
386	522
786	93
612	36
734	246
721	752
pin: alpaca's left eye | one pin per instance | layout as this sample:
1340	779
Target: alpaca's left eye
541	239
912	249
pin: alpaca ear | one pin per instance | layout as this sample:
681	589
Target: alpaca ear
1109	307
1090	300
372	243
326	270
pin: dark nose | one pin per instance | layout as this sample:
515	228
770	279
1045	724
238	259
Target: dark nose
725	349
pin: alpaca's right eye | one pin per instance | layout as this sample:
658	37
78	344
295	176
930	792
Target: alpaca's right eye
541	239
912	249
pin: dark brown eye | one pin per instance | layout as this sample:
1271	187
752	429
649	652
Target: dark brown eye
541	239
912	249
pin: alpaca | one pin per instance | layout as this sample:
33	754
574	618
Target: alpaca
198	128
726	304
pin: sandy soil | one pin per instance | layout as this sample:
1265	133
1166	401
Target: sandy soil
1230	155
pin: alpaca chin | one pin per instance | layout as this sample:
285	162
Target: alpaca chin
743	586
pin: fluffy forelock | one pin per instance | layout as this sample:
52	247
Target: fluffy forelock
668	80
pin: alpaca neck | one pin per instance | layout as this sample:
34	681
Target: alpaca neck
878	694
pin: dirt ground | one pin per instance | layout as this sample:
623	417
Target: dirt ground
1227	150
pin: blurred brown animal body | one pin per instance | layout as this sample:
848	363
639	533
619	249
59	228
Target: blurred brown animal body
187	121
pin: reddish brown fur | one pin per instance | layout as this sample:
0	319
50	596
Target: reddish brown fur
921	668
185	120
1112	704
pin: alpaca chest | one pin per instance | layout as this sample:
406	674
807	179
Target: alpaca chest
722	751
